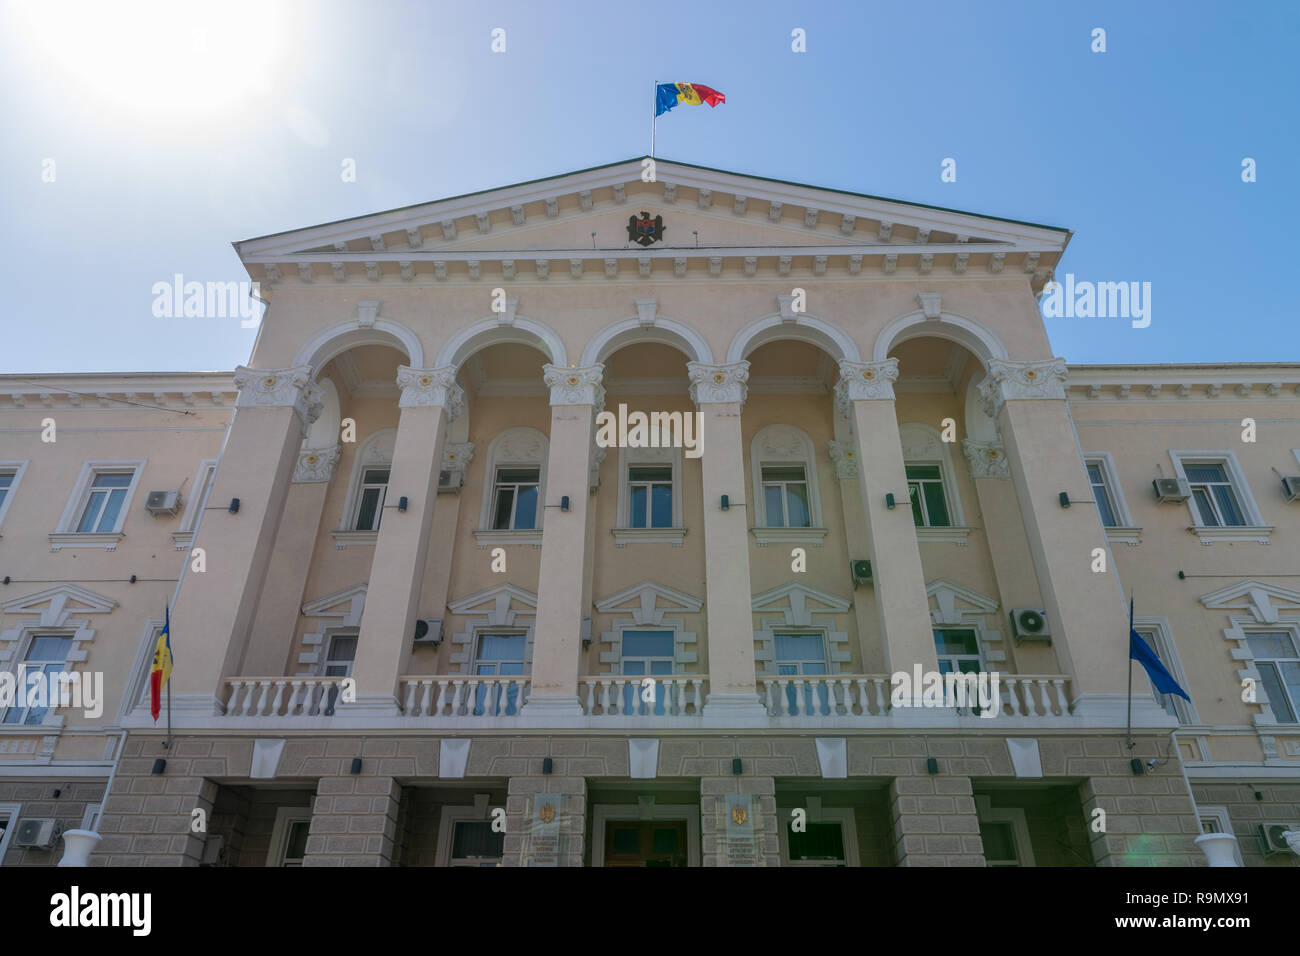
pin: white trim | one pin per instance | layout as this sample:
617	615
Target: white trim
375	451
337	339
448	817
775	445
517	447
628	458
204	479
65	534
19	468
490	611
492	331
90	816
1254	529
607	812
1167	651
1019	828
982	342
848	829
10	811
662	331
812	329
946	615
1123	529
924	445
799	618
284	817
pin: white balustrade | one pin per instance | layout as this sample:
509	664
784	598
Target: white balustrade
615	696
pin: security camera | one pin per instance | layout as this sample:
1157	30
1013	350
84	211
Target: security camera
1151	764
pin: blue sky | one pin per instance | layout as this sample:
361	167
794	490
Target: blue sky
178	128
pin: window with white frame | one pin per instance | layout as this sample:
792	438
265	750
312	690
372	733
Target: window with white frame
499	655
1005	835
1220	495
466	838
103	510
958	650
340	655
514	488
650	496
931	486
1277	658
289	836
828	838
800	655
646	653
783	469
370	499
1160	640
11	473
1101	493
46	655
926	492
99	504
515	494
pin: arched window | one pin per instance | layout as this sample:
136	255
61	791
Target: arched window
931	484
514	488
368	486
787	503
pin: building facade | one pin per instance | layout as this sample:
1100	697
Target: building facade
443	601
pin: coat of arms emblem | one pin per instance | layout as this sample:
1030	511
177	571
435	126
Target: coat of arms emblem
739	815
645	230
546	812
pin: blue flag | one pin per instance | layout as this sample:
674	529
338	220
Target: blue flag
1140	651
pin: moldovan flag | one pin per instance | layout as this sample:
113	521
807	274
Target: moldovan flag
692	94
162	666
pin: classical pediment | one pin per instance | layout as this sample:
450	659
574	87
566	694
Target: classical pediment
1263	601
716	223
648	602
499	603
952	600
55	605
347	605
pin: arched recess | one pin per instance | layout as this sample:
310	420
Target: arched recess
923	444
375	451
973	336
631	331
493	331
783	445
823	333
335	341
519	446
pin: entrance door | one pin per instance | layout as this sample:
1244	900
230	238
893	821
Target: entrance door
645	843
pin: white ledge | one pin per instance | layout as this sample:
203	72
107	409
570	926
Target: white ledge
766	536
182	539
74	539
625	536
1257	533
1122	533
354	539
487	539
953	535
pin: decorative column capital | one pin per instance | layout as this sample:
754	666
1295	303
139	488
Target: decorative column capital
456	457
987	459
845	456
576	386
718	383
864	381
1008	381
428	387
279	388
316	465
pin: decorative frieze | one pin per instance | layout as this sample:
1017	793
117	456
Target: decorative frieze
1009	381
987	459
428	387
861	381
575	386
718	383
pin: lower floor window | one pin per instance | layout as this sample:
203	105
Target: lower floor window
1278	662
474	843
799	655
499	655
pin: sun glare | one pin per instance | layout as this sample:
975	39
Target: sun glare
152	56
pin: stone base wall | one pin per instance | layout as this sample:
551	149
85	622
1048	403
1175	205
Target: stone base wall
36	799
1277	803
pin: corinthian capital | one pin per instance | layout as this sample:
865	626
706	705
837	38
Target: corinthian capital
279	388
718	383
575	386
987	459
425	387
315	465
864	381
1008	381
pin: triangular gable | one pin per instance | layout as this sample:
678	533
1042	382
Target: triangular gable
55	605
346	604
797	596
499	598
1261	599
647	595
946	595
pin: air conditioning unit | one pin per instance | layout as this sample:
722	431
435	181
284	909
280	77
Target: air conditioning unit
1172	489
163	503
1291	487
428	632
1271	839
1029	624
861	571
448	485
37	833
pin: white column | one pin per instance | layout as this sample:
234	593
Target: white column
576	398
719	393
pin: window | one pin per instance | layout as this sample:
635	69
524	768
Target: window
340	655
785	496
1005	834
646	654
650	496
11	473
475	843
289	836
925	489
802	655
103	510
46	655
1158	639
8	823
515	496
370	499
1278	662
829	838
499	655
1216	502
958	650
1101	494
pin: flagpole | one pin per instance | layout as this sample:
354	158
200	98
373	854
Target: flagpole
1130	672
654	119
